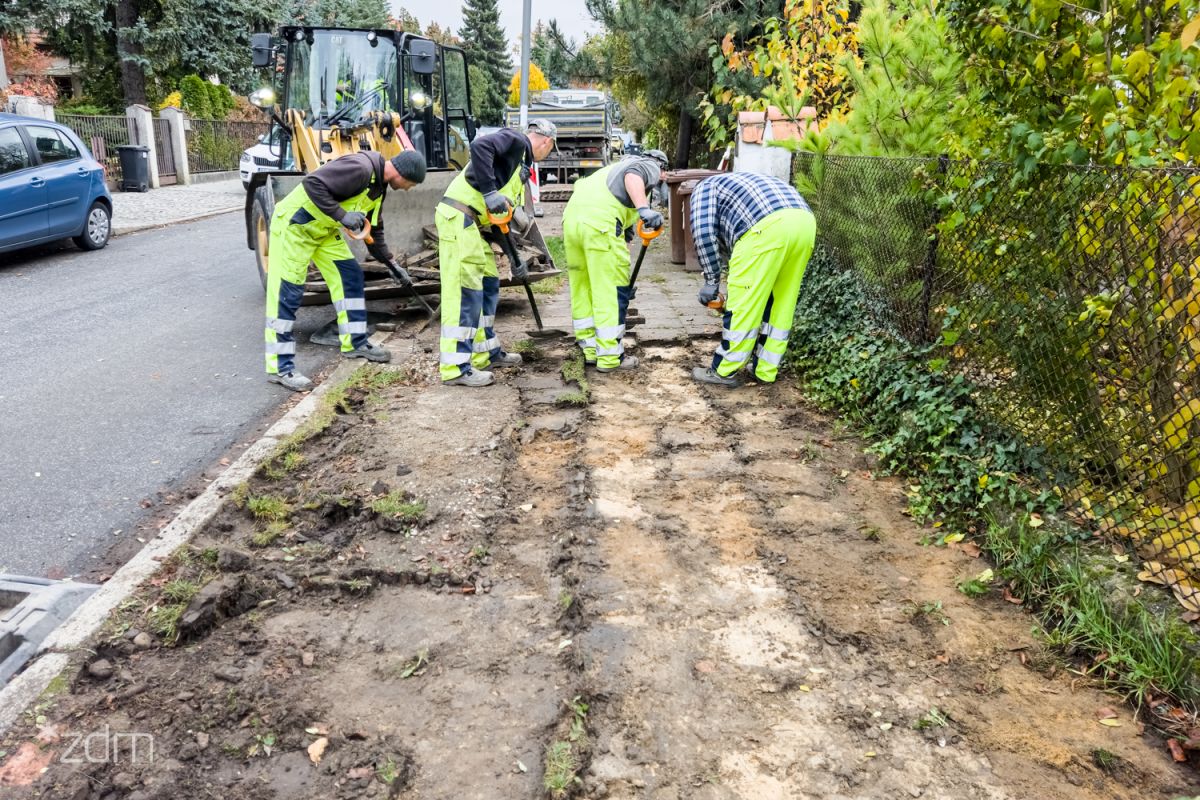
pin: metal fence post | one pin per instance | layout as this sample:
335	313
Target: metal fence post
178	144
143	133
931	261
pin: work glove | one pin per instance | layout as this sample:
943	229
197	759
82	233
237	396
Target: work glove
628	234
709	293
520	221
497	204
399	273
380	251
354	221
520	271
525	173
651	220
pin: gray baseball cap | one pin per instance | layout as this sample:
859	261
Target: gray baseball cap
543	126
659	156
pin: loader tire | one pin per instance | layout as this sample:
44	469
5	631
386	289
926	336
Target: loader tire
260	222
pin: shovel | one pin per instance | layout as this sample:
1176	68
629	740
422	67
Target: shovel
647	237
514	259
365	236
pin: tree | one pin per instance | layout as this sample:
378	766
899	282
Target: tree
442	35
796	61
487	46
554	51
659	51
908	97
1112	82
404	20
537	84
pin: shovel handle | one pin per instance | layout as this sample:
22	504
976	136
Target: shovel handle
501	220
718	304
362	236
647	236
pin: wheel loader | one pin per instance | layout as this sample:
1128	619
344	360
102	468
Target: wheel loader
344	90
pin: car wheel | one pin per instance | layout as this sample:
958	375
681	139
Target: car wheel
96	229
260	226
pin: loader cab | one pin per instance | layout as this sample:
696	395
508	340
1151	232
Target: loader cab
345	90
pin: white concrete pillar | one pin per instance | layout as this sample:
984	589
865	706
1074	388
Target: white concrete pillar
178	144
143	133
31	107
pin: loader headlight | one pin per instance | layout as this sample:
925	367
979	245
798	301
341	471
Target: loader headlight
263	98
373	39
418	100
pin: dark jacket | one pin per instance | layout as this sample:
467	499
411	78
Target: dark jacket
496	157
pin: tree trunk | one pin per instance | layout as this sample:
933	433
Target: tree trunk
683	144
133	75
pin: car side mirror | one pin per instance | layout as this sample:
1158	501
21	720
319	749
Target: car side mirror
260	49
422	54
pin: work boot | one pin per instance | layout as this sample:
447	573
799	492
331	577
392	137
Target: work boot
708	375
476	377
291	380
628	362
371	352
507	360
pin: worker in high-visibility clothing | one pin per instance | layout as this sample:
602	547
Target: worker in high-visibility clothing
766	231
597	223
492	183
307	227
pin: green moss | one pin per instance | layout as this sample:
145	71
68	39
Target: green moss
398	504
268	508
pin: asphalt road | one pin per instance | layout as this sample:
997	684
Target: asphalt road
123	374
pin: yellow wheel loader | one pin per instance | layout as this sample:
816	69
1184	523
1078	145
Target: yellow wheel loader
342	91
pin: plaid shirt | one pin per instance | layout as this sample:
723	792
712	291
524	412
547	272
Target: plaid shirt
724	207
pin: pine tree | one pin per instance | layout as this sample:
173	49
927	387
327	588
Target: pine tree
908	86
554	51
487	46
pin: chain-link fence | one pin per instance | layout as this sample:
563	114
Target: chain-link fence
215	146
102	135
1070	299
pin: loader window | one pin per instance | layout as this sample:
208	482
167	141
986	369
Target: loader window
457	100
341	75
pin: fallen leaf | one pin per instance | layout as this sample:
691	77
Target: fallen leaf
804	687
954	538
521	766
1121	559
1010	597
1112	723
1105	713
1036	521
942	658
317	749
1176	750
224	462
970	548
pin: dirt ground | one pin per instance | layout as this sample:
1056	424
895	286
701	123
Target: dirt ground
670	592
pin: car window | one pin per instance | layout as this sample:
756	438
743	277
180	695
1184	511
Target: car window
13	155
51	145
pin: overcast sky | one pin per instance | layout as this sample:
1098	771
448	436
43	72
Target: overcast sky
572	15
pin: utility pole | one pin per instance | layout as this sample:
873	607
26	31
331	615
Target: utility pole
528	12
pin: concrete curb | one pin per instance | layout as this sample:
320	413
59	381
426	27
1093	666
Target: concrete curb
54	655
149	226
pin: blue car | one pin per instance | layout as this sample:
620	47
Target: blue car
50	187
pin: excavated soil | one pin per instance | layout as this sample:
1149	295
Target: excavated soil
671	592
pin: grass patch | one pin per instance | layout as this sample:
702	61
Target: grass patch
934	719
267	536
527	348
655	278
388	771
558	250
240	494
268	508
978	586
549	285
164	621
562	761
399	505
286	460
573	370
180	590
573	397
